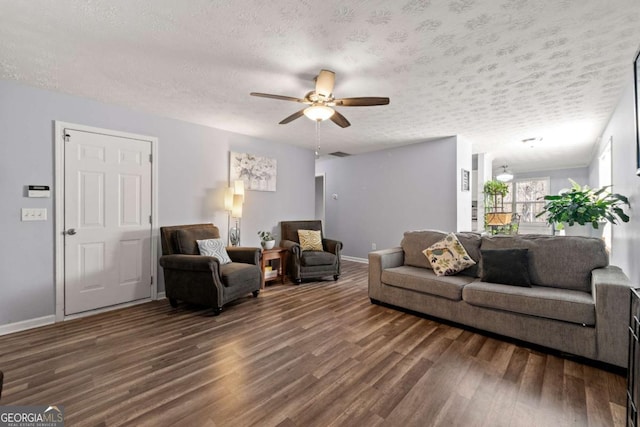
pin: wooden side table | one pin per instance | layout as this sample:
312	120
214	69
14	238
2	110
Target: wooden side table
269	255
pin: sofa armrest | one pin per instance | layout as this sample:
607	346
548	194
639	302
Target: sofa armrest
244	254
611	290
333	246
190	262
378	261
291	246
193	278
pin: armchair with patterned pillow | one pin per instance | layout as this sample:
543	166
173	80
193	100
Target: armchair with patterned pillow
199	269
311	255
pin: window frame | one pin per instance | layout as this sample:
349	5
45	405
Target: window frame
514	202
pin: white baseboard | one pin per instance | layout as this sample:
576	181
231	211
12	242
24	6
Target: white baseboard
355	259
27	324
23	325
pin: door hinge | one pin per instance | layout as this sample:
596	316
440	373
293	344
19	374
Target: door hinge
150	158
150	221
66	137
152	280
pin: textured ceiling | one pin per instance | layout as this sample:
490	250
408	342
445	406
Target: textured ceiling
493	71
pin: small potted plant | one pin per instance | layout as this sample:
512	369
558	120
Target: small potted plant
494	192
267	238
582	210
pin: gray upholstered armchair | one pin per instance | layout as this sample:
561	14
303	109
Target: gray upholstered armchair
197	279
310	264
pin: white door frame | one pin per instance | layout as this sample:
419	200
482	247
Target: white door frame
59	140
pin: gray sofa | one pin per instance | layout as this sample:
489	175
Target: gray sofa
577	302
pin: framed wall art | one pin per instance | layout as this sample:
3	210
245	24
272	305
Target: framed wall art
258	173
465	175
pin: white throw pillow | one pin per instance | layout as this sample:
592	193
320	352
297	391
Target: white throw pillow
215	248
448	256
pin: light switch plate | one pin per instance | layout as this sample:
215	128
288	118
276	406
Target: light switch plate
34	214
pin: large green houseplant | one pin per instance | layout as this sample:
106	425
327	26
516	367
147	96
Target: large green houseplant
585	206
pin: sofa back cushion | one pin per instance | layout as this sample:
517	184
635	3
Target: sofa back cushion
414	242
186	239
171	243
556	261
471	243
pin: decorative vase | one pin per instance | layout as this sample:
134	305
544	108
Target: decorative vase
586	230
268	244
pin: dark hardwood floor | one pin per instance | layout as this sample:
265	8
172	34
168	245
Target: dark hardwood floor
317	354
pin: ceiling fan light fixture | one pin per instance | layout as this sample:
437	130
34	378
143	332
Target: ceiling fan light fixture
505	175
318	112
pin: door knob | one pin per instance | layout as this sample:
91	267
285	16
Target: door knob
71	231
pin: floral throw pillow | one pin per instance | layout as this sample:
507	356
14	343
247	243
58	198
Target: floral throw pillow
214	248
448	257
310	240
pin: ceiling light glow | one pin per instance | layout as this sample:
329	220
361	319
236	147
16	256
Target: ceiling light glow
318	112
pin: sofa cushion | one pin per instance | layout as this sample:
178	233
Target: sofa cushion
414	242
506	266
471	243
447	256
556	261
238	274
186	239
425	281
215	248
309	258
551	303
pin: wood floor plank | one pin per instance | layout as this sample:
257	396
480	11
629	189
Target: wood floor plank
315	354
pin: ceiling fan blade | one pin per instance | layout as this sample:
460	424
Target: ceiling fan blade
340	120
280	97
292	117
324	83
366	101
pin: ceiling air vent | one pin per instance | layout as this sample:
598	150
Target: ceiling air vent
339	154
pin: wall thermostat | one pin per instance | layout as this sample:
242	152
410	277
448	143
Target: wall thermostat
39	191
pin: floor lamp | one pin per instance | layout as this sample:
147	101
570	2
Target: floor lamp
228	206
233	200
236	213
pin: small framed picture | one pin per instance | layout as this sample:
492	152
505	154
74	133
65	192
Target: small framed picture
465	180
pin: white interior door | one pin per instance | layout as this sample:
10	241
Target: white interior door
107	220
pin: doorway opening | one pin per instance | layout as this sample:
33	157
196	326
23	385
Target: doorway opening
320	198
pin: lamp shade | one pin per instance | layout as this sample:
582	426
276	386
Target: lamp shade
238	188
318	112
228	198
236	210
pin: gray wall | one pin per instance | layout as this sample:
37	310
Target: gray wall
625	246
382	194
193	171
